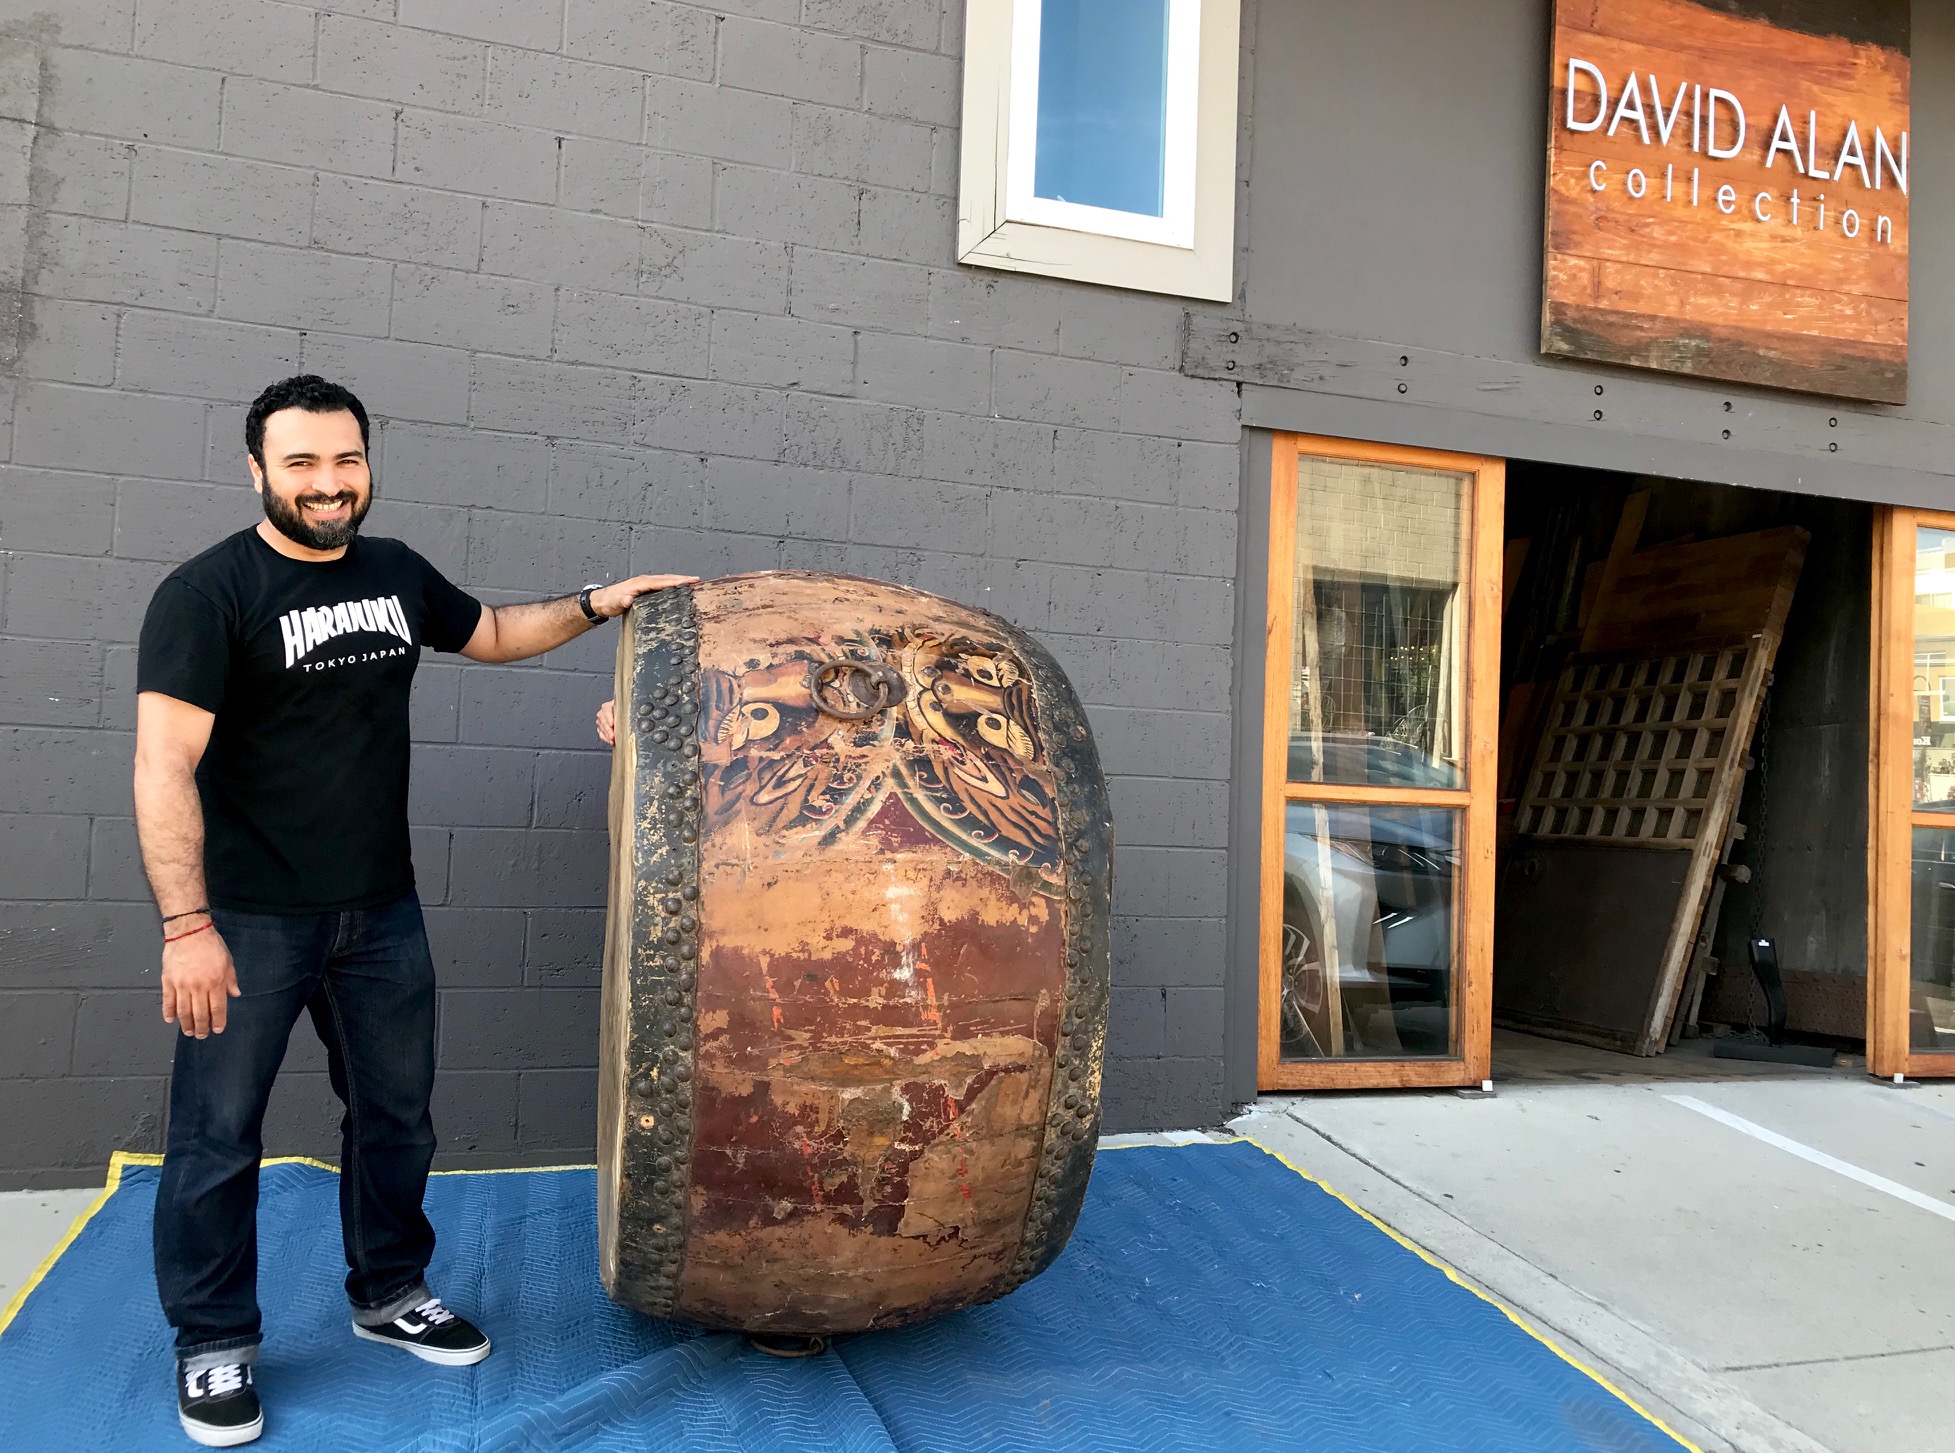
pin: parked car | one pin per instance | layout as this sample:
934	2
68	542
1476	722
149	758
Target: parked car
1367	941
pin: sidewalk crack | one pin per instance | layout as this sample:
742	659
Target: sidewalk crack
1827	1361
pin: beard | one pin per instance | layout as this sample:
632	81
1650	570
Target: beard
290	521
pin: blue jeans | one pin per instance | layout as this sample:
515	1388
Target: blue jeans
366	977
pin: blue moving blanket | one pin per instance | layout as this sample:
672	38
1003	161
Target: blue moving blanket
1211	1298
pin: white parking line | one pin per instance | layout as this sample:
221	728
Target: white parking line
1818	1157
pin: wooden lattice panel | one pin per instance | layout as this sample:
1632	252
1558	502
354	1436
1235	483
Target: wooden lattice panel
1632	748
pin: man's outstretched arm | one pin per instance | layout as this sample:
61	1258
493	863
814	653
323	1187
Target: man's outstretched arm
516	632
199	980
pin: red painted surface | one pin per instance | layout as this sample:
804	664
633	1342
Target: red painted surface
882	965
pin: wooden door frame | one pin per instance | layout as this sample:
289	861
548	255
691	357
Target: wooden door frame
1891	818
1483	554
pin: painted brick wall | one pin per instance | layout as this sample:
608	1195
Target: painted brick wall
630	285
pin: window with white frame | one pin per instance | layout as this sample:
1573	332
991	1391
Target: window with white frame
1099	141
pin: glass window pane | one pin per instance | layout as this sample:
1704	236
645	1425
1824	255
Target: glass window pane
1103	95
1367	955
1377	686
1931	995
1934	670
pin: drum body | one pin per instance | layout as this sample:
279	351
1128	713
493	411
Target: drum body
856	964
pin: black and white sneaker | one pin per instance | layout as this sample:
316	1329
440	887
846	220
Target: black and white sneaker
218	1406
432	1333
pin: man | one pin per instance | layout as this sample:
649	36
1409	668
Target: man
271	803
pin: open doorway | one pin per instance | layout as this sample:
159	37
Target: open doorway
1682	775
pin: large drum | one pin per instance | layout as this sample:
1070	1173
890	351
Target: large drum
855	982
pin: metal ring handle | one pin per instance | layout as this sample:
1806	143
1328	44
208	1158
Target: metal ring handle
858	680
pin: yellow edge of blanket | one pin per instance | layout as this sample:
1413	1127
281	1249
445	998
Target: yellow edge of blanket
130	1157
124	1158
1506	1311
1451	1275
116	1163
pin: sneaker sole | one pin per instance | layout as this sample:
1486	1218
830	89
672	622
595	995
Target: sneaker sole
435	1355
212	1437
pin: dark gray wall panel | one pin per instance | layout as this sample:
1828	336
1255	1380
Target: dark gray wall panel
1397	185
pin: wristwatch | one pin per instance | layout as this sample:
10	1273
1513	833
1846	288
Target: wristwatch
584	603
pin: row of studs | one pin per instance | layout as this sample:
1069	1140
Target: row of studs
665	924
1072	1112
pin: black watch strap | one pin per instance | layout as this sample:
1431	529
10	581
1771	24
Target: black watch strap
584	604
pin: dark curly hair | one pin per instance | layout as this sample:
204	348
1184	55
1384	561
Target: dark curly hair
305	391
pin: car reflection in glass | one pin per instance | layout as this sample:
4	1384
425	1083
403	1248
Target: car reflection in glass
1367	941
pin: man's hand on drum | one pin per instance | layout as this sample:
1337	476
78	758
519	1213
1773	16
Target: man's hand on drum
607	724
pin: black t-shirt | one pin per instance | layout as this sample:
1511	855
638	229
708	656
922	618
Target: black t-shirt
307	666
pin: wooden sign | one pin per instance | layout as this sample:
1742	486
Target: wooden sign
1728	191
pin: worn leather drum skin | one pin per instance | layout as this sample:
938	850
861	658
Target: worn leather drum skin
855	983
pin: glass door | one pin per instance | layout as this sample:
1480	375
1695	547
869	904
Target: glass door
1380	736
1911	841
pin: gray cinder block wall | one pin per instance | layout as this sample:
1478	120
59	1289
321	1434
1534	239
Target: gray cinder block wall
628	285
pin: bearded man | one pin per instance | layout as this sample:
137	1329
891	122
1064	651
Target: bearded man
271	803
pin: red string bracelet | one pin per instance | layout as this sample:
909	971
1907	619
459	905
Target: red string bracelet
189	933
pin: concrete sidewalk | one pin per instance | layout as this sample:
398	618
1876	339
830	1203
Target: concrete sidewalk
1765	1261
32	1224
